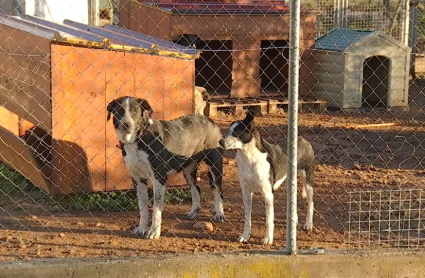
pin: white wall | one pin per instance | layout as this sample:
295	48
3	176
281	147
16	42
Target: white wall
55	10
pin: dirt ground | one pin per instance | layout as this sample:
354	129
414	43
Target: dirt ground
349	159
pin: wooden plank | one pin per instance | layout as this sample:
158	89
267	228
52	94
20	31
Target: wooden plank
25	77
225	27
121	75
267	105
236	107
375	125
148	71
179	90
211	111
78	154
230	104
18	156
9	121
272	107
179	87
239	109
210	26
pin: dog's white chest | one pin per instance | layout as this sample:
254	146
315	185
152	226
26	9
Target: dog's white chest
137	162
253	168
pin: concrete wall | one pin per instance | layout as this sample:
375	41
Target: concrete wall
245	265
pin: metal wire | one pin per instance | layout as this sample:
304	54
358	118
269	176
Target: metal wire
356	94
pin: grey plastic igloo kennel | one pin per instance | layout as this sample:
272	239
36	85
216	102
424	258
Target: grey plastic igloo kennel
361	68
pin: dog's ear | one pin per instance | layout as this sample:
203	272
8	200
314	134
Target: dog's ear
249	118
146	117
112	106
144	104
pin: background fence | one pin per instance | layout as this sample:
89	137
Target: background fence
65	191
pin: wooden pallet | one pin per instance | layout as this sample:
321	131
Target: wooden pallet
264	104
235	105
303	105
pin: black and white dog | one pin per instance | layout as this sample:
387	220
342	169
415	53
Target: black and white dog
153	149
262	168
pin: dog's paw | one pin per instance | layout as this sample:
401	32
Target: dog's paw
243	239
138	230
153	234
192	214
218	216
267	240
308	226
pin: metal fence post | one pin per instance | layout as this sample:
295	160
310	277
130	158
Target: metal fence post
341	13
405	20
294	56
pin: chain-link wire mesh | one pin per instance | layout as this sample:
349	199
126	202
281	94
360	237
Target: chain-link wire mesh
68	175
386	218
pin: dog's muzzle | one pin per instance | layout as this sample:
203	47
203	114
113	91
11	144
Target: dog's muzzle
128	138
230	143
125	137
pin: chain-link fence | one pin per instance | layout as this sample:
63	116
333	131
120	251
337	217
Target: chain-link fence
68	174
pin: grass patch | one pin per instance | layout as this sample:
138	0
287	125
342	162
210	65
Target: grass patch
119	201
16	190
11	180
13	184
180	195
100	201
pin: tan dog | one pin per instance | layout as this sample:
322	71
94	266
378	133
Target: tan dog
201	98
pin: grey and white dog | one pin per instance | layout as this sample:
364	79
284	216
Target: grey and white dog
262	168
153	149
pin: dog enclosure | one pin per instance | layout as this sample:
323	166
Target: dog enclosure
233	36
54	98
369	174
360	68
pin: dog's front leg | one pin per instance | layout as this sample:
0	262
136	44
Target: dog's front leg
158	206
268	198
247	202
142	199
